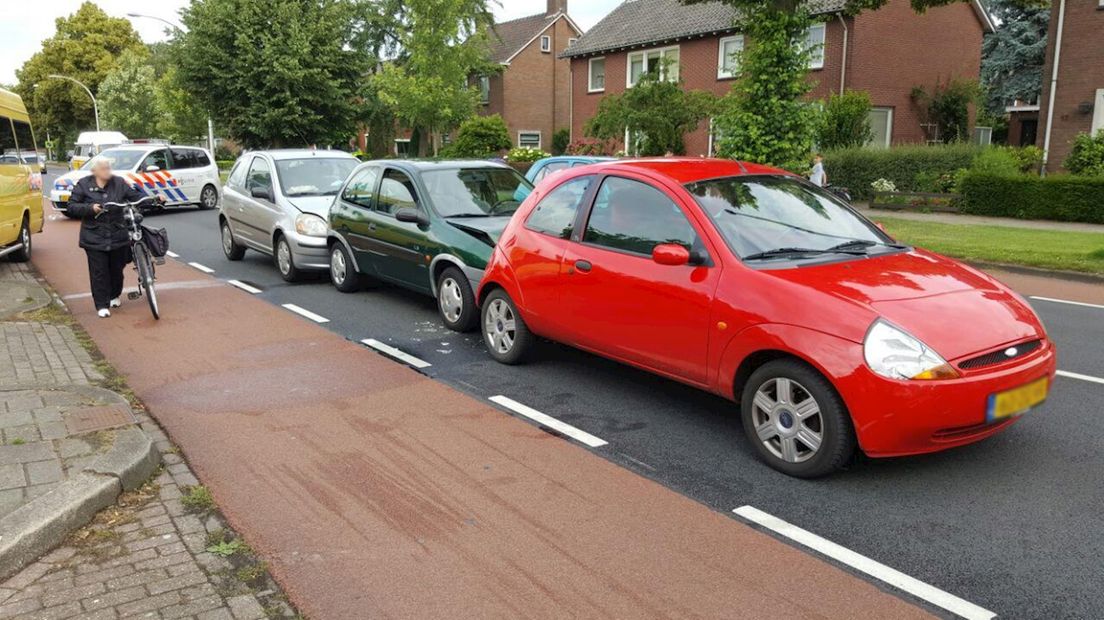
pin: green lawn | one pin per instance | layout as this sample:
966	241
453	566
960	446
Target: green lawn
1046	249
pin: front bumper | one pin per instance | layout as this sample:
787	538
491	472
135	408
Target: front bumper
899	418
309	253
60	198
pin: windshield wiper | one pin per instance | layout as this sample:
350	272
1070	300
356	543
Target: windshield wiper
860	244
460	216
782	252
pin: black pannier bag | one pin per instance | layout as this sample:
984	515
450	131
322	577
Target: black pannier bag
157	240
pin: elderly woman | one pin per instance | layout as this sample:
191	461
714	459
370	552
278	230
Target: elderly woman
103	233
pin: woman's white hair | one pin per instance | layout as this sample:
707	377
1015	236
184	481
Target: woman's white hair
100	163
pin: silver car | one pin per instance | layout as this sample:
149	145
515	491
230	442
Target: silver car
278	202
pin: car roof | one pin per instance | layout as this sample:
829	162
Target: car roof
682	170
149	146
422	165
281	154
570	158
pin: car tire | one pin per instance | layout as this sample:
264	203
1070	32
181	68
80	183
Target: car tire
230	247
23	254
795	420
208	198
343	270
456	301
285	260
506	345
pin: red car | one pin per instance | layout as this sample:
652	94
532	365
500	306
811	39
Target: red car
753	284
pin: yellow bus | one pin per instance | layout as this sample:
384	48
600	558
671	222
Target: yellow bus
20	180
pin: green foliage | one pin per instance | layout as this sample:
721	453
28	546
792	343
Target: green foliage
525	155
764	117
592	147
128	96
1028	158
996	161
182	118
560	140
479	137
845	121
658	112
857	168
86	47
198	499
1012	58
228	548
947	107
1065	198
1087	156
274	72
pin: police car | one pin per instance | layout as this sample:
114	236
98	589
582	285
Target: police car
184	175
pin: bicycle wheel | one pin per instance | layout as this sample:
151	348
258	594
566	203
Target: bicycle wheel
146	277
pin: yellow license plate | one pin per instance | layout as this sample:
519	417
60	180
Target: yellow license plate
1015	402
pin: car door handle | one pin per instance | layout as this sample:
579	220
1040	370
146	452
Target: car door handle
583	266
371	226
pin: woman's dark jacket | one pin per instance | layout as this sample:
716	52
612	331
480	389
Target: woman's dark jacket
107	231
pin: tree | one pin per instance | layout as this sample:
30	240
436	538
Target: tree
845	122
180	117
946	109
274	72
441	43
128	96
86	47
656	112
1012	58
480	137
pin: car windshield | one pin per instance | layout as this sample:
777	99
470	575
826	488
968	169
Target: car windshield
121	159
767	217
476	192
313	176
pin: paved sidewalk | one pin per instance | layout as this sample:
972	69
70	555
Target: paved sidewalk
978	220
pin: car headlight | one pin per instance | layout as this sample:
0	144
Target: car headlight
311	225
893	353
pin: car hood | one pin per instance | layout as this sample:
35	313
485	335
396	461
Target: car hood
318	205
69	179
951	307
486	229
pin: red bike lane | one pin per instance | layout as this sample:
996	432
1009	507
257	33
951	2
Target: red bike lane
373	491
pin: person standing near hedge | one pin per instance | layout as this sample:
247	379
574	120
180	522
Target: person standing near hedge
818	176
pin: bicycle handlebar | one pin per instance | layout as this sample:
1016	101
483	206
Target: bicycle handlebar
127	204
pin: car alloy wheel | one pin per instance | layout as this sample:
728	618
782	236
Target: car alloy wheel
500	326
338	269
450	299
787	420
227	239
283	256
208	198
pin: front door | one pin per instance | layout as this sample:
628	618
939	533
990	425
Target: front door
624	304
185	176
258	213
352	218
401	250
154	173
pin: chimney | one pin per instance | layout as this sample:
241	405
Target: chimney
556	6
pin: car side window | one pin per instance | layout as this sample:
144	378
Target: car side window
260	175
361	189
237	174
200	158
631	216
555	213
549	169
396	192
182	158
7	140
157	158
24	136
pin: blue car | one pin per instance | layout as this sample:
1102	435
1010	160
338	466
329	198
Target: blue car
544	167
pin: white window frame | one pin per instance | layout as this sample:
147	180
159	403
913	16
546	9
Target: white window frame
546	43
485	89
590	75
538	133
721	57
405	141
1098	107
889	127
574	40
816	61
662	57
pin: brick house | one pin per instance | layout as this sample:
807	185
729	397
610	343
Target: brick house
1076	105
533	91
886	52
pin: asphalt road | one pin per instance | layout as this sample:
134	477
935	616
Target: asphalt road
1013	524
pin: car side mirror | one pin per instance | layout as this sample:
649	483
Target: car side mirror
841	192
152	168
411	216
262	192
671	254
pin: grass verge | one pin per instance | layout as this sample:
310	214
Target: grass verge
1044	249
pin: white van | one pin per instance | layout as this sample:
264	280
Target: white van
92	143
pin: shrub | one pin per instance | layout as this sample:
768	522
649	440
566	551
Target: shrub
883	185
479	137
857	168
1065	198
996	161
845	122
560	141
1029	158
525	155
1087	156
592	147
947	106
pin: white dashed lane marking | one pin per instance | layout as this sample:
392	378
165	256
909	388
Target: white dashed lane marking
203	268
243	286
317	318
863	564
1068	302
548	421
172	254
398	354
1080	377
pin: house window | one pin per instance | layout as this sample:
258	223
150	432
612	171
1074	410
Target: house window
727	62
546	44
715	137
530	139
633	138
573	40
484	89
596	82
814	42
881	126
663	62
1098	107
402	147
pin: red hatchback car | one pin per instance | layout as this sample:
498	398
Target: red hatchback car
753	284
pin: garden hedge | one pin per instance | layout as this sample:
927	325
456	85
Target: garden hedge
1065	198
857	168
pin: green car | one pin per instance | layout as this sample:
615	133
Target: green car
427	226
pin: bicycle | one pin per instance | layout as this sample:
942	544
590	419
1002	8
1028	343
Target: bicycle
144	262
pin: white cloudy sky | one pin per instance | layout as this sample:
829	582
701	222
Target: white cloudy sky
27	23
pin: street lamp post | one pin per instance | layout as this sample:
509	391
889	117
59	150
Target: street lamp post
95	106
180	29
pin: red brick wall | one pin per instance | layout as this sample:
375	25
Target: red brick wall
1080	74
